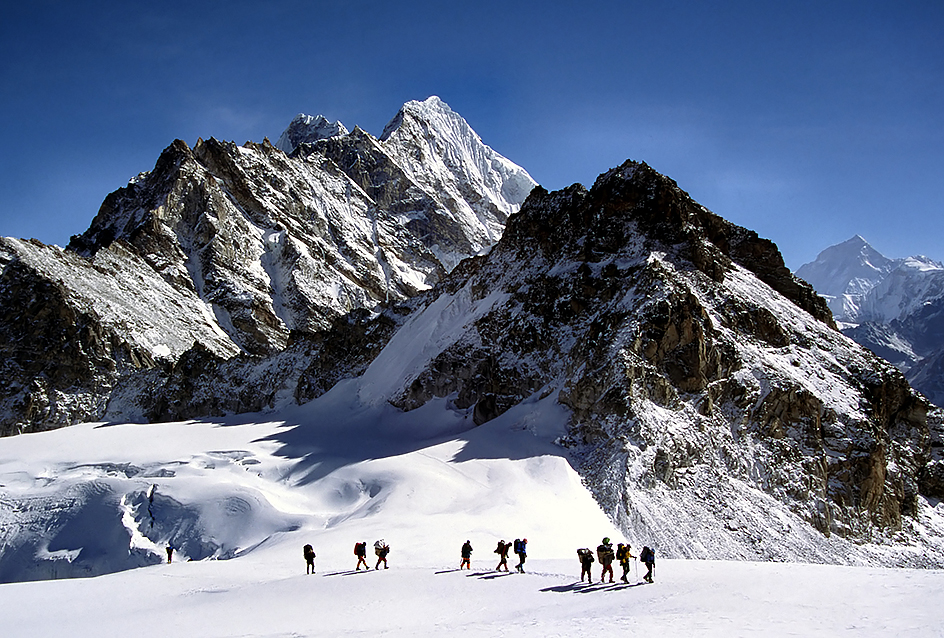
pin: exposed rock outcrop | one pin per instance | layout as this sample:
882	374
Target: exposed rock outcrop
705	382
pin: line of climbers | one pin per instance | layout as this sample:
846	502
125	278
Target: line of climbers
605	554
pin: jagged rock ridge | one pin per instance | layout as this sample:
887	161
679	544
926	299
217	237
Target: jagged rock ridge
246	246
701	397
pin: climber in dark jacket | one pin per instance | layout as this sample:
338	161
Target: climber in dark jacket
466	556
502	551
521	549
309	553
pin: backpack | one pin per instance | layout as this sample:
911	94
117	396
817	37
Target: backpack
647	555
309	552
621	553
517	545
360	549
585	555
605	552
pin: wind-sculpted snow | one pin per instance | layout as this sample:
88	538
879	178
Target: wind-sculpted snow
94	499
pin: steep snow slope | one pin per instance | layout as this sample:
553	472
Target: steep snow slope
440	152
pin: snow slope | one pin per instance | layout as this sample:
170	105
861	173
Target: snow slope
333	470
262	490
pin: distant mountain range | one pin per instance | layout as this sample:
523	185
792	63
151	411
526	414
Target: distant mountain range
894	307
699	388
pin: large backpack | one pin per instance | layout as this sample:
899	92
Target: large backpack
360	549
585	555
309	552
647	555
605	552
517	545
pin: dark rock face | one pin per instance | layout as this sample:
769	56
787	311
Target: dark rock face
254	233
652	321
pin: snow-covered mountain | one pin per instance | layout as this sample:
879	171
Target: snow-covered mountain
622	359
894	307
306	129
242	247
843	274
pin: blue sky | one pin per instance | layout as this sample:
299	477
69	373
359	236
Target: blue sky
807	122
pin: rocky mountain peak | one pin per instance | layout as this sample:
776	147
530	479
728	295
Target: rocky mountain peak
695	382
252	249
306	129
634	201
659	327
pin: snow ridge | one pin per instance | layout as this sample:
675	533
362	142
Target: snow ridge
440	151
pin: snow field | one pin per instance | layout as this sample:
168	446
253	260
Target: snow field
266	594
340	470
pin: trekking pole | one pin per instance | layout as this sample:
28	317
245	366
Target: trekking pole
636	565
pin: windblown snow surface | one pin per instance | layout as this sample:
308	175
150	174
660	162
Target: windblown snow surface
99	498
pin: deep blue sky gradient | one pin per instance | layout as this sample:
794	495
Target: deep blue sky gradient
807	122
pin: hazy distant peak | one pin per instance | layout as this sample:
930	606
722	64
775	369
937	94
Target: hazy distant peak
851	267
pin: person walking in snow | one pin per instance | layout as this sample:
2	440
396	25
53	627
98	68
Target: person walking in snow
648	557
360	550
502	551
309	553
521	549
586	561
623	556
606	555
381	549
170	552
466	555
